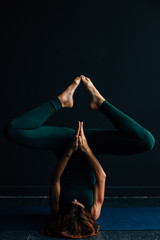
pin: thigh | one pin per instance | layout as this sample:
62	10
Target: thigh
44	137
103	141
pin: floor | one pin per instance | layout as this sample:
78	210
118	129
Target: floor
108	235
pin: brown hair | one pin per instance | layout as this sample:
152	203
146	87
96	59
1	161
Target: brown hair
73	221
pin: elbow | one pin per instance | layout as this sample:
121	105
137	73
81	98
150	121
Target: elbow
102	177
149	141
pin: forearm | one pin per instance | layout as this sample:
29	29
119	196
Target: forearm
61	163
96	166
65	156
55	187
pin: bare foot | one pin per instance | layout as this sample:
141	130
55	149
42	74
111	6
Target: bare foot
66	97
96	98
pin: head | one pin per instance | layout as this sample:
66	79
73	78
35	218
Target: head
74	221
78	203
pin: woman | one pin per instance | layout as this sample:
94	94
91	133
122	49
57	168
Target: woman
78	180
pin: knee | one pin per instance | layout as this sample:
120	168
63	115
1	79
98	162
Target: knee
149	141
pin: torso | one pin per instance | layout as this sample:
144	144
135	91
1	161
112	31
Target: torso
78	181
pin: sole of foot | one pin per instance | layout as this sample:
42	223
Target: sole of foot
96	98
66	97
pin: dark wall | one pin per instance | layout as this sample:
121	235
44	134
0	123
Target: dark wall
46	44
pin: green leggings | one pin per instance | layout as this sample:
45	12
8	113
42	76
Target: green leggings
128	138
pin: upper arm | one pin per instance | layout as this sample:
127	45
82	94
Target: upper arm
99	191
55	190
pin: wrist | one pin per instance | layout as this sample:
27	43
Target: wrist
68	152
87	150
67	155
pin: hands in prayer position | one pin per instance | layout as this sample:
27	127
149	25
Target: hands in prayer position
79	139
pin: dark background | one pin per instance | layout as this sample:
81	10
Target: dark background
45	45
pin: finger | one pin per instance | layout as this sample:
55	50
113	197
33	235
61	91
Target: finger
76	142
82	131
78	130
83	77
79	126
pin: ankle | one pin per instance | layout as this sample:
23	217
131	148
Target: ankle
60	99
66	101
101	101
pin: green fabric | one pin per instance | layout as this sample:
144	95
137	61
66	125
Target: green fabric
78	180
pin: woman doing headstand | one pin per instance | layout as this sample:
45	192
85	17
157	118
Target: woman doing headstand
77	194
